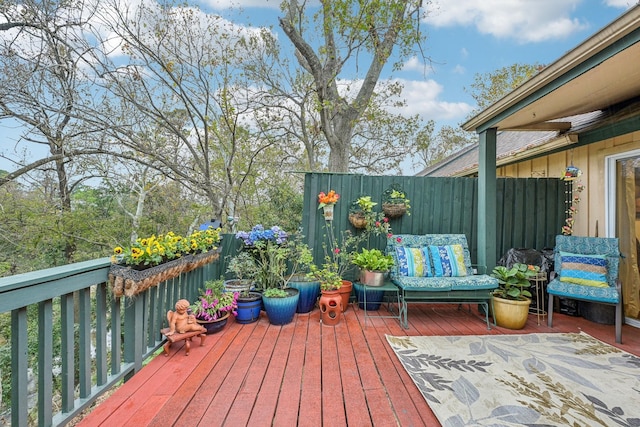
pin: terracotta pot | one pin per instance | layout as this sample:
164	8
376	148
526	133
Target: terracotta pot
330	304
510	314
345	293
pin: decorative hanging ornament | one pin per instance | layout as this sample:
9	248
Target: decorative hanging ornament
571	173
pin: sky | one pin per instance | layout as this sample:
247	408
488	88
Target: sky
469	37
464	38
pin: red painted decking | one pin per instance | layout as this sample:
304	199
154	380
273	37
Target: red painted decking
304	373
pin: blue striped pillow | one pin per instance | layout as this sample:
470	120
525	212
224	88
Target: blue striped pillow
589	270
448	261
413	262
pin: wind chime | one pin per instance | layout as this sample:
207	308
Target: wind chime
571	173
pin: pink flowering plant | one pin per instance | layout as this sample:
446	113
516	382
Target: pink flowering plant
213	302
339	251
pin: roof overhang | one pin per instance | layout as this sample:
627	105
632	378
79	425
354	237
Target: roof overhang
601	72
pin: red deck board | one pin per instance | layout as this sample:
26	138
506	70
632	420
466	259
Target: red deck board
289	398
260	374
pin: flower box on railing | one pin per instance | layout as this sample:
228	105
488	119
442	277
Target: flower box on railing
128	281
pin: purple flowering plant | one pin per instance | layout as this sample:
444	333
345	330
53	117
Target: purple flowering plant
271	250
259	233
214	302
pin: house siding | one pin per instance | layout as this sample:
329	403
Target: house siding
590	219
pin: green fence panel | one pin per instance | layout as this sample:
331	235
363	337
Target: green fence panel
530	211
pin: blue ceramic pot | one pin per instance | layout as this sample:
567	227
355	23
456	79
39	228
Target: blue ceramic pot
249	308
281	310
309	292
374	297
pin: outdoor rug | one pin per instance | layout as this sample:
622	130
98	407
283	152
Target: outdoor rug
531	380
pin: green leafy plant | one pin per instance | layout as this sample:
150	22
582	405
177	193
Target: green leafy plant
243	266
362	204
373	260
328	276
277	255
514	281
275	293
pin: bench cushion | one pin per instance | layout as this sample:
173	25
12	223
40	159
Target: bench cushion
588	293
465	283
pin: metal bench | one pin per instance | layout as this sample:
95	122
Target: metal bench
432	283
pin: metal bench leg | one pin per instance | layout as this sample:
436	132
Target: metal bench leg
485	304
619	322
404	312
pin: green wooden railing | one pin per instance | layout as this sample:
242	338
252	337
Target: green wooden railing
87	339
96	340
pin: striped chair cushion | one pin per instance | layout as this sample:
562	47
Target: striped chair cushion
589	270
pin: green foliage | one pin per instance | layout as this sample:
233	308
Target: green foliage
275	293
373	260
242	266
514	281
488	88
327	276
362	204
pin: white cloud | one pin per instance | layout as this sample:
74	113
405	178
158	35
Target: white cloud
522	20
423	98
459	69
414	64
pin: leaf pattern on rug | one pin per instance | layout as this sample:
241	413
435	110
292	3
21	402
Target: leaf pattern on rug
556	397
422	360
533	380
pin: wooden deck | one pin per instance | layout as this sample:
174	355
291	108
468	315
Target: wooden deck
304	373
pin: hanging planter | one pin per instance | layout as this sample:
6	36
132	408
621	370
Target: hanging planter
328	212
395	202
326	202
358	219
361	211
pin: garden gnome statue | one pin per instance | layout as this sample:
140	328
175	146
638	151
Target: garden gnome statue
180	321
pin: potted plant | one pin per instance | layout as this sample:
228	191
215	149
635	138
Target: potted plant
326	202
300	261
374	264
360	211
154	259
271	249
331	302
244	270
395	202
214	306
512	298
